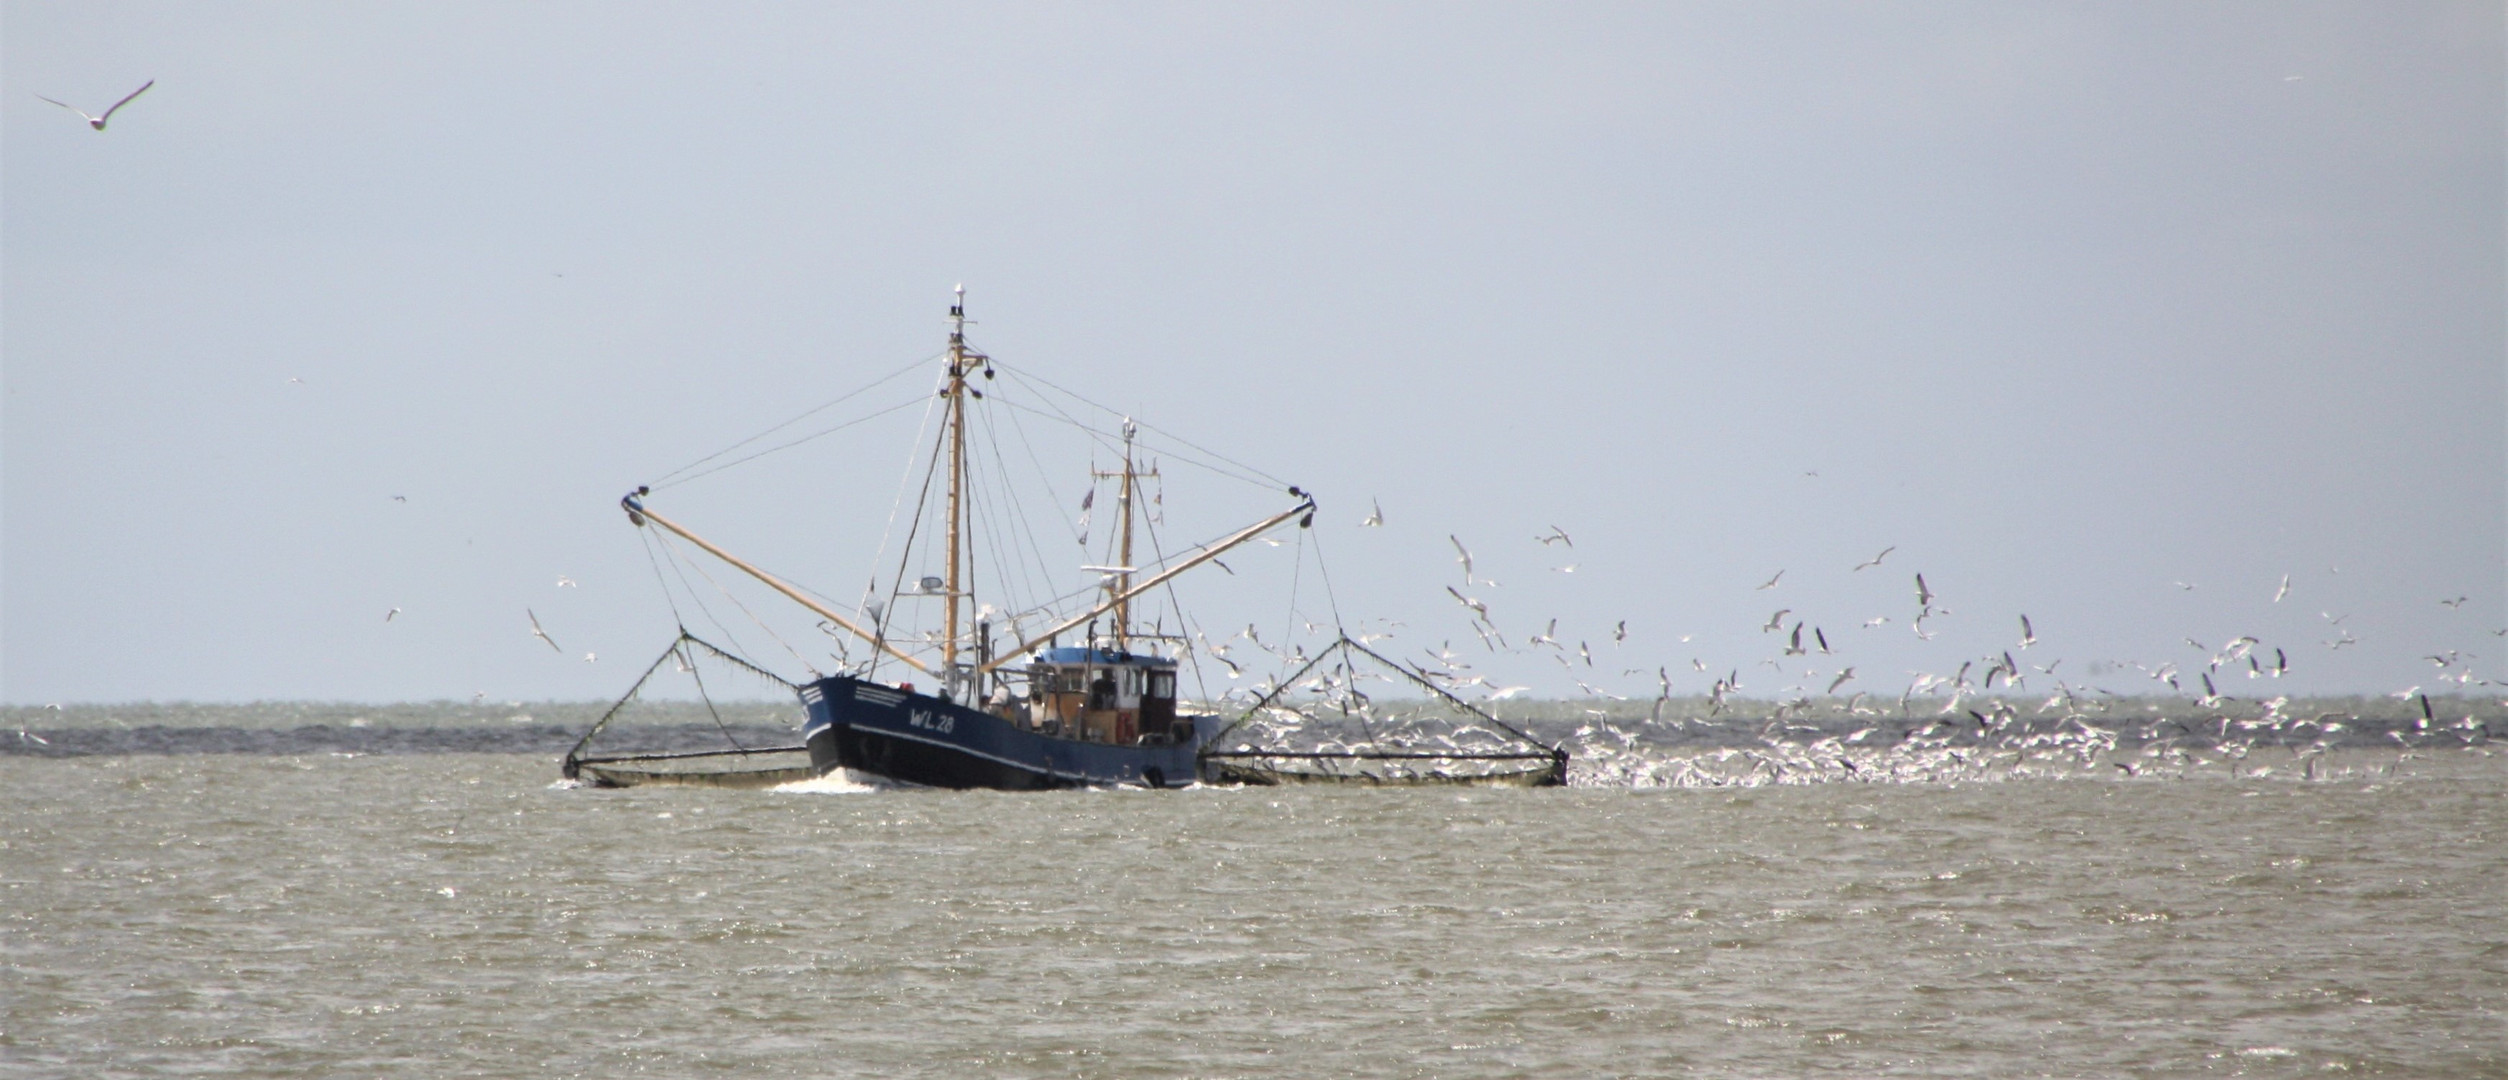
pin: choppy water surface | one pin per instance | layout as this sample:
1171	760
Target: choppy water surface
454	914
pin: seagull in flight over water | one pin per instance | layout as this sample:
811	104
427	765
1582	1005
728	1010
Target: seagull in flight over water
98	122
539	633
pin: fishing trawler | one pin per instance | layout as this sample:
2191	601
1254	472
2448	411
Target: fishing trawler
1056	687
978	708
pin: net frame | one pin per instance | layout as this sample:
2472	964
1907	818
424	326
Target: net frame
1518	760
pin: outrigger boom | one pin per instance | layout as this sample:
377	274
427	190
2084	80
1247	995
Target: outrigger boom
637	513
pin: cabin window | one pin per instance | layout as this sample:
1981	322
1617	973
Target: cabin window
1162	684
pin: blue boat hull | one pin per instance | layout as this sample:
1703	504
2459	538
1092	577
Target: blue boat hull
920	739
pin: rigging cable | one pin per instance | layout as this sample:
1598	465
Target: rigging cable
698	677
914	527
806	665
694	597
1111	442
1330	599
806	414
676	618
1018	510
1266	477
787	446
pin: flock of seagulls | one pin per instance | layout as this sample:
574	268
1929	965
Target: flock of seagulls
1970	722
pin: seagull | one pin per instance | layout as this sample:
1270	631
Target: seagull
1822	638
2455	603
1462	555
1777	621
98	122
2028	637
1620	633
387	616
539	633
1375	519
1842	676
1876	560
400	498
2184	585
590	657
565	582
2283	591
1924	596
1477	607
1557	536
1771	582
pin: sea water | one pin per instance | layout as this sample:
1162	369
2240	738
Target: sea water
285	911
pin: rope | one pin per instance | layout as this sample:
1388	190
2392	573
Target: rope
787	446
769	631
698	677
1259	476
667	478
1112	441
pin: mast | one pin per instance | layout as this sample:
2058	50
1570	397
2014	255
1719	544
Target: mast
1119	591
957	473
1123	602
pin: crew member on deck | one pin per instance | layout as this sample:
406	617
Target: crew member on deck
1102	691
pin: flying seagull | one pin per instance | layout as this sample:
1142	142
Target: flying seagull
539	633
2028	636
1876	560
98	122
1375	519
1557	536
1771	582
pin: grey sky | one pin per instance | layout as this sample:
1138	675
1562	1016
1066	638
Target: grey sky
2068	303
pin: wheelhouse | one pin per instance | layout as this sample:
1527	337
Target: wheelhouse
1106	696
